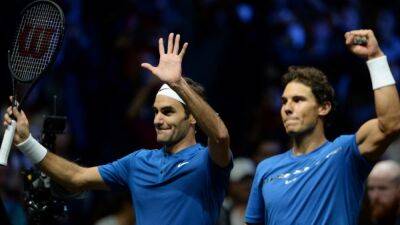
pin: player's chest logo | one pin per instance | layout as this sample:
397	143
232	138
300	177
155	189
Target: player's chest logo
292	176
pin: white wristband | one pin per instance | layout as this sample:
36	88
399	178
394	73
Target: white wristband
380	72
32	149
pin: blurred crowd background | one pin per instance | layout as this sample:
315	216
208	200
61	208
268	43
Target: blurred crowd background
238	50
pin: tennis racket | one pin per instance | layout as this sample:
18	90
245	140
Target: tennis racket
34	47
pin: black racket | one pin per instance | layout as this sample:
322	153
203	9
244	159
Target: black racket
37	40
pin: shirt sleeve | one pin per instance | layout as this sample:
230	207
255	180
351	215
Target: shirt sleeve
116	174
220	175
357	163
255	210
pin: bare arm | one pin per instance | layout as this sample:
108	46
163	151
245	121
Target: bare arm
374	136
169	70
70	175
209	121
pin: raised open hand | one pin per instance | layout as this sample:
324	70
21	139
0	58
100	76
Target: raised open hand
370	50
169	68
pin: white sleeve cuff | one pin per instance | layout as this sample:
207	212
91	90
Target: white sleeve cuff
32	149
379	70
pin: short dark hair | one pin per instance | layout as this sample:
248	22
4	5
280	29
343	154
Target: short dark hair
316	80
196	87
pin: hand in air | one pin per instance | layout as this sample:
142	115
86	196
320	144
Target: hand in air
369	50
169	68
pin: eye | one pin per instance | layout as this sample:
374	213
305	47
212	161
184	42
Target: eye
283	100
298	99
167	111
155	111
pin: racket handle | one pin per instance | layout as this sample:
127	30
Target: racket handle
7	142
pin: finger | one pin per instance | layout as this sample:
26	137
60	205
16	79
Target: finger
349	39
9	111
23	114
366	33
148	67
161	46
12	101
170	43
7	119
176	45
184	47
16	113
347	36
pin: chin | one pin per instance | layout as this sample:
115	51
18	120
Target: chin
381	211
162	140
292	133
166	141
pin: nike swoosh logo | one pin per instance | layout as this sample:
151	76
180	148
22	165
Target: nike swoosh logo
182	164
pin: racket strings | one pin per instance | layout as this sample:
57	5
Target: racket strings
35	44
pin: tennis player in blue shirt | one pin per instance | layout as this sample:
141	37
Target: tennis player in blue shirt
182	183
318	182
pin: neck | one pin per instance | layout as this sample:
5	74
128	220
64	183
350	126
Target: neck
309	141
187	141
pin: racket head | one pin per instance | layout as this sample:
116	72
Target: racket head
37	40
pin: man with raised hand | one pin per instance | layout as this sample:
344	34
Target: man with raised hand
180	183
319	182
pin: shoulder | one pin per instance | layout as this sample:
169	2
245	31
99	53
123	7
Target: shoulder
142	154
272	160
345	142
199	149
145	152
345	139
270	163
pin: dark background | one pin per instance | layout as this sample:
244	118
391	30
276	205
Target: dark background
237	49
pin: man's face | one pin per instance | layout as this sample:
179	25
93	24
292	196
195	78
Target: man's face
300	110
170	120
384	196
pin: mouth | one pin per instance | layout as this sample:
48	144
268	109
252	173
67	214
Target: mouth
291	120
162	130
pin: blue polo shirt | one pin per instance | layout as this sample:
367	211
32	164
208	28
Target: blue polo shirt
323	187
182	188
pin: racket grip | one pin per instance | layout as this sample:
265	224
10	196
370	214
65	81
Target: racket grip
7	142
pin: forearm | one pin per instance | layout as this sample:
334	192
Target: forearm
207	119
62	171
387	103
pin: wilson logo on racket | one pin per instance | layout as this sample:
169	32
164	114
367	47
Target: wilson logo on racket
34	41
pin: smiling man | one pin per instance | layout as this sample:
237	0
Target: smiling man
318	182
181	183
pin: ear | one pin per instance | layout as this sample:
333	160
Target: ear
192	120
324	108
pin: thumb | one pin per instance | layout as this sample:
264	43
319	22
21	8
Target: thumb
148	67
22	114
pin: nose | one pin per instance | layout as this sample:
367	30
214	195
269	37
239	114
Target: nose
373	195
287	108
158	119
